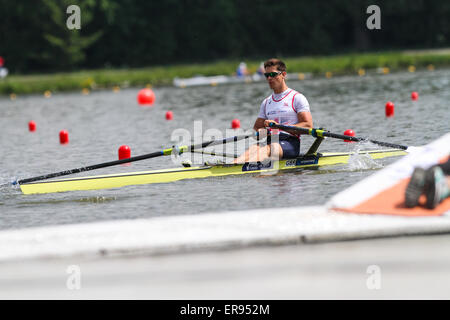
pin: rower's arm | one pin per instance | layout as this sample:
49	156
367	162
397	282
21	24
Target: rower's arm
259	124
304	120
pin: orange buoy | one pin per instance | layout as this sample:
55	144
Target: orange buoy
389	109
63	137
124	152
349	132
235	124
32	126
146	96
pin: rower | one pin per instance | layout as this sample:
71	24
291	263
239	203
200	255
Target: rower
242	70
284	106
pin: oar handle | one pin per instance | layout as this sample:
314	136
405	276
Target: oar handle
164	152
323	133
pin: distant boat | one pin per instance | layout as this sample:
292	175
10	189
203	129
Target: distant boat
222	79
3	72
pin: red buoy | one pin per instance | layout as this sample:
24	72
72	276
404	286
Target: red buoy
63	137
349	132
2	61
235	124
169	115
414	95
124	152
146	96
389	109
32	126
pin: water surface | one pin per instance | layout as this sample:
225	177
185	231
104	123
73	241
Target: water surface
100	122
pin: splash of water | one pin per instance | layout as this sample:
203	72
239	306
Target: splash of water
362	161
7	185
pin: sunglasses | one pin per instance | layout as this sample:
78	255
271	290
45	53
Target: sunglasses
272	74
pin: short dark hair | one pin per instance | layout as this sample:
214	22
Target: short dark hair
277	63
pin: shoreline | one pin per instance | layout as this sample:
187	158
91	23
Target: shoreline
320	66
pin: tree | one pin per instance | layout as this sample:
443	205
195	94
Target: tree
67	47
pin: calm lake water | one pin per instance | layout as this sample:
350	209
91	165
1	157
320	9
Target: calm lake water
100	122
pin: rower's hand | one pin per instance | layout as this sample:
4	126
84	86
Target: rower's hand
267	123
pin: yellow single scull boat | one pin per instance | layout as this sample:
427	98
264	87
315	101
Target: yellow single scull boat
170	175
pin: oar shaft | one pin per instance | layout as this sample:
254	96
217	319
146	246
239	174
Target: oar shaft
164	152
92	167
216	142
356	139
213	153
323	133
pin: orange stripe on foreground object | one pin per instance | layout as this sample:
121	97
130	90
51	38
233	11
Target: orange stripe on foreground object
392	201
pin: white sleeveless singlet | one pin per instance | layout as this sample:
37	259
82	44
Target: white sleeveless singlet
284	107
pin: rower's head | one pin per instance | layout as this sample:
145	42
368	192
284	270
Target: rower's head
275	73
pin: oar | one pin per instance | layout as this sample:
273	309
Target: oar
164	152
213	153
322	133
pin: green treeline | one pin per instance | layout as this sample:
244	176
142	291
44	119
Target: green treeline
137	33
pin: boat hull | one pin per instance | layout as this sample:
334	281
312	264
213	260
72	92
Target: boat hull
170	175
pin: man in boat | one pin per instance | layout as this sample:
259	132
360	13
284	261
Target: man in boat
242	70
284	106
